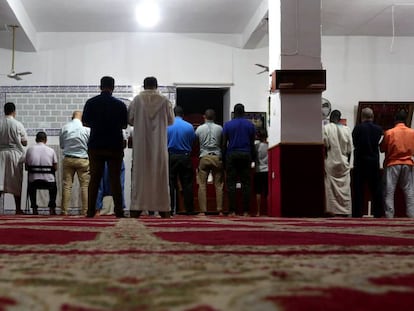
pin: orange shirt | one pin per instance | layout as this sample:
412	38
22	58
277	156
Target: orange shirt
398	145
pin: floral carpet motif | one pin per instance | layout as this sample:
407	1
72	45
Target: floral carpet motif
205	263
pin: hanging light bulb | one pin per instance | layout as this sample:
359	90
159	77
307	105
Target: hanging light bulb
147	13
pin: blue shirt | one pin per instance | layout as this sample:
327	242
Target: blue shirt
106	116
180	136
74	139
240	134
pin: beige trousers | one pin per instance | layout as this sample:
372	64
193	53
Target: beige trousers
213	164
81	168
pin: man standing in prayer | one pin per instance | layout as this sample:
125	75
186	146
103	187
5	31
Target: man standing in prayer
366	137
239	150
13	138
150	113
338	147
73	140
398	145
106	116
209	135
181	138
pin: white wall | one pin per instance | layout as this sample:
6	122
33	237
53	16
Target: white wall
203	60
82	58
365	69
358	68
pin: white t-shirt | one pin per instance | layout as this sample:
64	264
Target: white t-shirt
40	154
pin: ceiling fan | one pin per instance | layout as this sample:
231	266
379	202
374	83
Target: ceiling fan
265	68
13	74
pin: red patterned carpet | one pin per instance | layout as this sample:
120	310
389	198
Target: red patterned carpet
205	264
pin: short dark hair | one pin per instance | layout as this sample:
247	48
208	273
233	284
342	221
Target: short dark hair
178	111
239	109
261	134
41	137
335	116
210	114
9	108
150	83
107	82
401	116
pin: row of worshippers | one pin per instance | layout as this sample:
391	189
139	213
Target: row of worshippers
224	152
162	146
368	139
41	162
13	139
93	141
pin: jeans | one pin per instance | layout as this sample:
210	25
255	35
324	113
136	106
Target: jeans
105	187
181	168
238	167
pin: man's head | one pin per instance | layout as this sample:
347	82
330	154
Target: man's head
401	116
107	84
178	111
9	108
335	116
238	110
41	137
261	134
367	114
210	114
77	114
150	83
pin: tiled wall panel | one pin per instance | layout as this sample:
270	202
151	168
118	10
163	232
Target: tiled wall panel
48	108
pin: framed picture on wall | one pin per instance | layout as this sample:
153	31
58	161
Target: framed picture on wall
257	118
384	112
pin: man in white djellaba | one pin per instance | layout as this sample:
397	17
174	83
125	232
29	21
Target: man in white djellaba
13	138
150	113
338	147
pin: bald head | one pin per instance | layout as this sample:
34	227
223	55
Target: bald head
77	115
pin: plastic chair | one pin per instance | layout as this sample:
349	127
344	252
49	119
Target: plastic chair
39	184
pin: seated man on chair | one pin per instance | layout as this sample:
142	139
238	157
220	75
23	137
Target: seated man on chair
37	157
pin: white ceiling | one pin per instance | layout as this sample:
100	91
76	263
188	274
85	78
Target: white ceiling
339	17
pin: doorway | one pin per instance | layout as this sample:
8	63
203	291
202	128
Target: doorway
195	101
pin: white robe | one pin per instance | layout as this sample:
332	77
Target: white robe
12	133
150	113
338	143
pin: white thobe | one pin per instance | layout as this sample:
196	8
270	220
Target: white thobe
338	143
150	113
12	133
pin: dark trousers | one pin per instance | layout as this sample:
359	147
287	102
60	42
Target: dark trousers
97	159
181	168
105	187
367	174
45	185
238	168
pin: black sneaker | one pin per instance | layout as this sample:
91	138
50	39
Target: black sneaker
134	214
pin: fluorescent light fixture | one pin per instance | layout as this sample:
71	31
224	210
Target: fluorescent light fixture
147	13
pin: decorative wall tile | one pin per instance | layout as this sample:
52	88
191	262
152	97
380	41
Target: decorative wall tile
48	108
